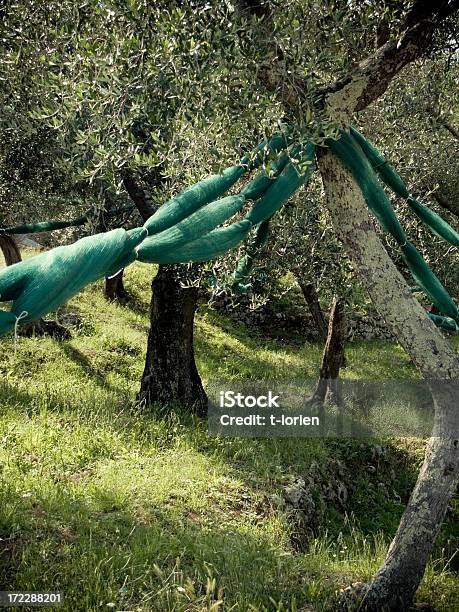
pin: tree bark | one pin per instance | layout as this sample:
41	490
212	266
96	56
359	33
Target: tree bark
138	195
395	584
114	290
310	296
10	250
171	375
327	389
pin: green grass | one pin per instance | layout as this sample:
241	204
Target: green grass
129	511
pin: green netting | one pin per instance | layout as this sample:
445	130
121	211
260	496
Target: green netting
445	323
200	244
215	243
50	226
193	198
350	153
40	284
44	226
428	282
354	159
258	186
381	165
191	228
186	230
7	321
246	263
277	193
282	189
128	252
277	143
390	177
438	225
207	190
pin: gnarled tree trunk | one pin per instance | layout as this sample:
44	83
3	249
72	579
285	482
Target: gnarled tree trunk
10	249
171	375
396	582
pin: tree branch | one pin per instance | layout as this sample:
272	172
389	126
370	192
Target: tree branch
372	76
138	194
370	79
437	115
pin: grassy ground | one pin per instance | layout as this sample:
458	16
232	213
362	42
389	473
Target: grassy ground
129	511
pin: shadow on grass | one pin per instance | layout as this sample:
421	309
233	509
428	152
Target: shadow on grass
161	559
84	363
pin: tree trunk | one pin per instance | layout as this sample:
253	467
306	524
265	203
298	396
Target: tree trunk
114	290
396	582
327	389
310	296
394	585
170	375
10	250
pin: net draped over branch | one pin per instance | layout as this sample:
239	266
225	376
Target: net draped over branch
190	227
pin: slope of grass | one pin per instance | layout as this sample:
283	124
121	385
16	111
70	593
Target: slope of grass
131	511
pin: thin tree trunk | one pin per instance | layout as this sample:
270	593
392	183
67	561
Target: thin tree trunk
396	582
310	297
327	389
170	375
10	250
114	290
138	195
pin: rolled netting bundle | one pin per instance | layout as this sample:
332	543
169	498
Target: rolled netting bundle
246	263
184	229
40	284
53	225
389	176
190	227
362	167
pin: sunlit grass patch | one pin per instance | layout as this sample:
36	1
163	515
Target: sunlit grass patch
141	510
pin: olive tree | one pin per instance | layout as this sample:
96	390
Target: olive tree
145	98
418	27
